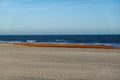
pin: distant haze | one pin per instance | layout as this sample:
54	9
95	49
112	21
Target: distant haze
59	17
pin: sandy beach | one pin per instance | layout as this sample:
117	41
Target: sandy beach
19	62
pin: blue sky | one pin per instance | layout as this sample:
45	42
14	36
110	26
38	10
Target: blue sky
59	17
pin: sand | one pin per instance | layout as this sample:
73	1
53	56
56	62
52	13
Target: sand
51	63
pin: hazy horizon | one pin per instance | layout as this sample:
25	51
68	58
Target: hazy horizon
52	34
59	17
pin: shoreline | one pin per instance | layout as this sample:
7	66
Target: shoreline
66	45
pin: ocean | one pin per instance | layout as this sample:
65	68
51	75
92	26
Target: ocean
109	40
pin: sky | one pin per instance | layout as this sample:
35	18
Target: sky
59	17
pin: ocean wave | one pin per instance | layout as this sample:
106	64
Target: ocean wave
31	41
60	40
108	44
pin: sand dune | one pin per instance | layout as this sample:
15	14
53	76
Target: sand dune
50	63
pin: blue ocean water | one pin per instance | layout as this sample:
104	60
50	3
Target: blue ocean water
111	40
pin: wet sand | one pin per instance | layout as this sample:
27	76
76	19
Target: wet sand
66	45
52	63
